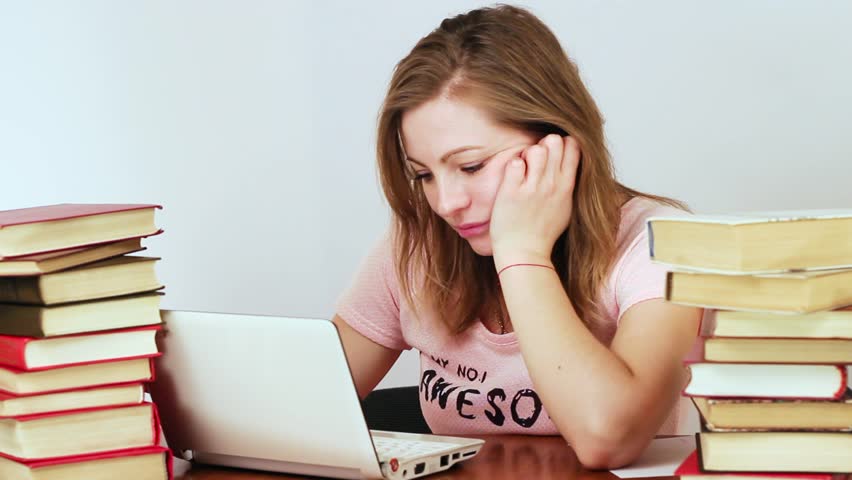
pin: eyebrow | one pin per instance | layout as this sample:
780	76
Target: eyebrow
447	155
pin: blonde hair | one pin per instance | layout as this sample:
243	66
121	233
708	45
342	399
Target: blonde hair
506	61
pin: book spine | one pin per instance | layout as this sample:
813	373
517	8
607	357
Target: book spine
170	465
649	225
153	376
20	290
21	320
22	327
12	351
699	452
669	278
844	382
155	424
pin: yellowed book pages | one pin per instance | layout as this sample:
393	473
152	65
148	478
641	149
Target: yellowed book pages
798	292
824	324
19	382
144	464
78	433
754	242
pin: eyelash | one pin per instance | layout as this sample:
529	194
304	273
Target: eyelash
425	177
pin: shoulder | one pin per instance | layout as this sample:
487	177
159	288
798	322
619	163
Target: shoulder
634	277
634	217
377	273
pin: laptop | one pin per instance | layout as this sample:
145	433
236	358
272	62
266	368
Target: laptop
276	394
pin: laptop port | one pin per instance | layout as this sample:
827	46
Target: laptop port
418	469
456	456
467	454
445	460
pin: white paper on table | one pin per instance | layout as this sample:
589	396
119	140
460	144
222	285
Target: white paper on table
660	459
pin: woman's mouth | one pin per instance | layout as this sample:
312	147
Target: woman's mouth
469	230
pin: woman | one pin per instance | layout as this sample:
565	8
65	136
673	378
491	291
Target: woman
516	263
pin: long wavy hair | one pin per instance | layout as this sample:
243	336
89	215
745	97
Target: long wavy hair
504	60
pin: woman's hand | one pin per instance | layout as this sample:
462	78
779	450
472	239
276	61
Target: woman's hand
534	203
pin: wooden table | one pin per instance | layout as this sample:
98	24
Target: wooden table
502	457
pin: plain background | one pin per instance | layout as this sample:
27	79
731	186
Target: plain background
252	122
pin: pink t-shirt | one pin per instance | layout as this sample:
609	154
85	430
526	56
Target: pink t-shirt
476	382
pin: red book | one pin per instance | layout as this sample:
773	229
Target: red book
762	380
153	463
690	470
31	353
789	380
18	382
79	432
27	231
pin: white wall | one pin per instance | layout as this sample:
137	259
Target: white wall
253	122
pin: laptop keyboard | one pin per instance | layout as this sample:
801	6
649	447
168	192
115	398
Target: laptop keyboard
388	448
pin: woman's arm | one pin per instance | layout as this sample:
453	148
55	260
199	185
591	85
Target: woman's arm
608	403
368	361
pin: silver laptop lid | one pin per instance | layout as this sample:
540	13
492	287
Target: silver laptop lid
274	389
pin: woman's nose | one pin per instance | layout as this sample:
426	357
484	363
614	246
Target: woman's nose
452	197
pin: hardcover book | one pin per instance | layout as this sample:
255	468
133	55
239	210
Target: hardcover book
125	275
27	231
756	380
29	353
15	381
754	242
149	463
799	292
65	434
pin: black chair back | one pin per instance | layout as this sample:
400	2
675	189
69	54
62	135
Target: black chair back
395	409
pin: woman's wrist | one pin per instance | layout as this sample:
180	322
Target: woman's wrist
513	265
505	261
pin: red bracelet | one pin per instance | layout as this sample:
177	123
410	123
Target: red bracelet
524	265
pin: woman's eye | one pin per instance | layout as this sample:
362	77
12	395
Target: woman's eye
422	177
473	168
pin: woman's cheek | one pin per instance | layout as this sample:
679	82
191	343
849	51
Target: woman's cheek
492	181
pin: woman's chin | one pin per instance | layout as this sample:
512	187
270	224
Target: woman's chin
481	246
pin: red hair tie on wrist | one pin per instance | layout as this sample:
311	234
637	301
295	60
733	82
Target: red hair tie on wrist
524	265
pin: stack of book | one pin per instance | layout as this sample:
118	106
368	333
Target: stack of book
771	377
78	319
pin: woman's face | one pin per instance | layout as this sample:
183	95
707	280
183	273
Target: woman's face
459	155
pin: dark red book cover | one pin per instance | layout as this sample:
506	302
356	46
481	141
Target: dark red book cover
839	387
13	348
64	211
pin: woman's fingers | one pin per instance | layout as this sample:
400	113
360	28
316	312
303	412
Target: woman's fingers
549	162
536	157
555	148
514	174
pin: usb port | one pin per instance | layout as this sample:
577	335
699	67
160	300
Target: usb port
456	456
445	460
418	469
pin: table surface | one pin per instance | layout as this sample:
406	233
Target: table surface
502	457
